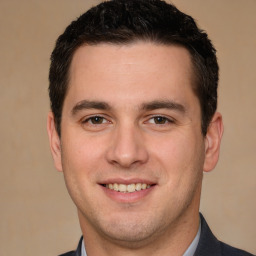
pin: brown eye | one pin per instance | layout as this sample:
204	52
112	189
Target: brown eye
95	123
160	120
96	120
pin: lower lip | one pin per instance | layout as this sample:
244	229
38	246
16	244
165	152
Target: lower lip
128	197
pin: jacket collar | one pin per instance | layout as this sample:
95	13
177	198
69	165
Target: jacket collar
208	243
78	250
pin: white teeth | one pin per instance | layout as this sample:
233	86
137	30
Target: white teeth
122	188
128	188
115	187
138	186
131	188
143	186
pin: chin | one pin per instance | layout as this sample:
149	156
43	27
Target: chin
131	232
130	235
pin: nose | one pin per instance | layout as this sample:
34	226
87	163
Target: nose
127	148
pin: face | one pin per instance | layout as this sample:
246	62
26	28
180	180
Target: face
131	147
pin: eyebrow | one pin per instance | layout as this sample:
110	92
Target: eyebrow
167	104
153	105
86	104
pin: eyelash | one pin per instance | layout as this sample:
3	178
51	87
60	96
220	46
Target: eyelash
104	120
89	120
165	119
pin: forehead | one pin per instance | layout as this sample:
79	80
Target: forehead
136	70
149	54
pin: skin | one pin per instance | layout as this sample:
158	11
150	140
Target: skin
129	116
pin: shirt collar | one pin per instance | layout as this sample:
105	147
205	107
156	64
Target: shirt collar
192	248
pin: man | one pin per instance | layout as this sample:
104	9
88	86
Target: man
133	90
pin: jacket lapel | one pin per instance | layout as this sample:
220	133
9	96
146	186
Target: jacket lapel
79	247
208	243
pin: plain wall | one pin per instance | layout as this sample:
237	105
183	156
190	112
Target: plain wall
37	215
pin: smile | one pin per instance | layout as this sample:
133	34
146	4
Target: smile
129	188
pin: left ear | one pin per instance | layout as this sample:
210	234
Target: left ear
212	142
54	140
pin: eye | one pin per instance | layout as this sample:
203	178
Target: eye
95	120
160	120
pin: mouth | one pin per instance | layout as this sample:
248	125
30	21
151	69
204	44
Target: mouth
127	188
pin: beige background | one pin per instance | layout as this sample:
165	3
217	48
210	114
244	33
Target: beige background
37	215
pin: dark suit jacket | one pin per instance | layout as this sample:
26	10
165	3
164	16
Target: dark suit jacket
208	245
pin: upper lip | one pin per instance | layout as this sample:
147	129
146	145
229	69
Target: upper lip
127	181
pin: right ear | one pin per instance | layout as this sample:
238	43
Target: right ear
54	140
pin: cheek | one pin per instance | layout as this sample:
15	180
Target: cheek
179	155
82	149
79	163
81	159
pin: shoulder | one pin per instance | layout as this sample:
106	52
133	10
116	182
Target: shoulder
229	250
209	245
71	253
75	253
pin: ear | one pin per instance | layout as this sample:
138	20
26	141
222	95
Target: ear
54	140
212	142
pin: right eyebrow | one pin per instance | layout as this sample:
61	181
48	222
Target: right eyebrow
86	104
167	104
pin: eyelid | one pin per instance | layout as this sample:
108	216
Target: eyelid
168	119
88	118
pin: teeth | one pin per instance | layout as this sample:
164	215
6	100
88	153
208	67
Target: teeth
115	187
122	188
138	186
128	188
143	186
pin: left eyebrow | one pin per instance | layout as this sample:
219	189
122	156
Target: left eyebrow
167	104
86	104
